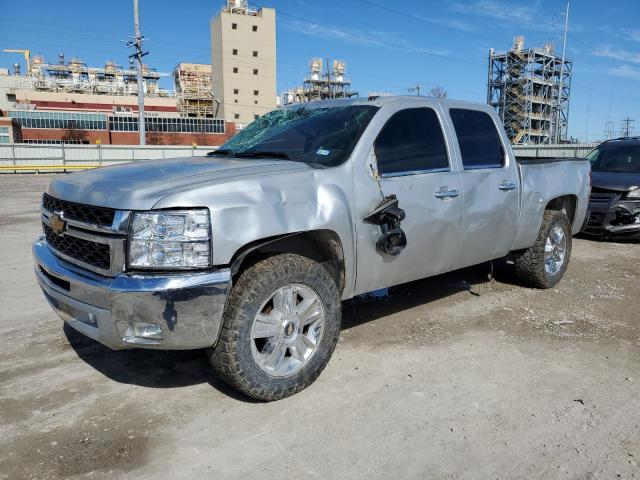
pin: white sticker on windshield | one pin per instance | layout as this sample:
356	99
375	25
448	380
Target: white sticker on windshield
322	151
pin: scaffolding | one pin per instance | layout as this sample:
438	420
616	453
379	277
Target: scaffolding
76	77
530	90
322	86
239	6
194	90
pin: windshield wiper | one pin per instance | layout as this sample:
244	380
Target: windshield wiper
225	152
264	154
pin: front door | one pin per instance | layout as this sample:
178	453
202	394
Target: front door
412	162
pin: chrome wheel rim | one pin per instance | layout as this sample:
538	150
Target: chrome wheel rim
287	330
555	250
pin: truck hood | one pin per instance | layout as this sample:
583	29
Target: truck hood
620	182
140	185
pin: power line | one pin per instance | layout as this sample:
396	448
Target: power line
627	127
608	130
392	45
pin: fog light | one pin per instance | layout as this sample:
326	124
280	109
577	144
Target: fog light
147	330
129	331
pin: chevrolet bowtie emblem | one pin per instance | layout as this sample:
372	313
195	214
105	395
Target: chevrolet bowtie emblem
57	223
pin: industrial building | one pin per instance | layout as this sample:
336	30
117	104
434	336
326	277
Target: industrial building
70	102
320	85
243	61
194	89
75	76
530	89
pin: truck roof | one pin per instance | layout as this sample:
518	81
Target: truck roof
384	100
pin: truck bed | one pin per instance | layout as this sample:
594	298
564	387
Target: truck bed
544	160
543	179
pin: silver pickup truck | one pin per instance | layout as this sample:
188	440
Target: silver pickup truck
249	251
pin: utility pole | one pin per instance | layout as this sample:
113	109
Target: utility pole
138	54
608	130
564	50
627	127
329	86
415	89
586	135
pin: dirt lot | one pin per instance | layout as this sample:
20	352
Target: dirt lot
433	381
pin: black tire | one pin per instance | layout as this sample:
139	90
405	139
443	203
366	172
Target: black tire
232	356
529	263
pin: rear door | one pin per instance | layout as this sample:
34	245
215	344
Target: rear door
490	179
413	161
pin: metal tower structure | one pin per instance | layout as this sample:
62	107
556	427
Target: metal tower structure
321	86
194	89
530	89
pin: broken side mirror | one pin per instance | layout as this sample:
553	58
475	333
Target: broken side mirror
388	215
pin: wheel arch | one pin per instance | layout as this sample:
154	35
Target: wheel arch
532	213
566	203
323	246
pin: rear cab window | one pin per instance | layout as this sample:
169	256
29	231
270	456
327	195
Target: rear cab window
411	142
480	144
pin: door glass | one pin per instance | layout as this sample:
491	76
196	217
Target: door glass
479	141
411	141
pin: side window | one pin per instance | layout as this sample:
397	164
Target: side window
411	141
480	143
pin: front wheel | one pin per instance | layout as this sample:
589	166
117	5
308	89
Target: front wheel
281	326
544	264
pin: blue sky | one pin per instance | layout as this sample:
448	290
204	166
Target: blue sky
388	45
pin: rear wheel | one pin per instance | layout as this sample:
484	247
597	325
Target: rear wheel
544	264
281	326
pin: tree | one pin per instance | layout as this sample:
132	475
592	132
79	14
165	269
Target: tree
74	134
438	92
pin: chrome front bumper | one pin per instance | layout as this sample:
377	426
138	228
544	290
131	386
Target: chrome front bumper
168	312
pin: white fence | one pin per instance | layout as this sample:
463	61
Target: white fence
22	157
569	150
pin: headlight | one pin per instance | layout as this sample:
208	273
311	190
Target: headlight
635	193
170	239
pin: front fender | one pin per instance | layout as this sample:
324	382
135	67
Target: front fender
252	209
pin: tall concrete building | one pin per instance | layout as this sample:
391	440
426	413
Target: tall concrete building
243	61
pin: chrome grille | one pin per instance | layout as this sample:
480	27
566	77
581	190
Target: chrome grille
91	253
92	215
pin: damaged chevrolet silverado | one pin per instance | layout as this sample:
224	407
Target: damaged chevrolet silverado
248	252
614	207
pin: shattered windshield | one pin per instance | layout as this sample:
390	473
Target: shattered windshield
616	158
321	137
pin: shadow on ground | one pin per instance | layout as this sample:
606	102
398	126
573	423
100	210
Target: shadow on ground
173	369
622	239
150	368
366	308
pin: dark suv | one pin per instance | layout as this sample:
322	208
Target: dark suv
614	208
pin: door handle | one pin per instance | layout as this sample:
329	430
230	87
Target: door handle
446	192
506	186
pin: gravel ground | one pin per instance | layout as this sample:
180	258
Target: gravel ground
458	376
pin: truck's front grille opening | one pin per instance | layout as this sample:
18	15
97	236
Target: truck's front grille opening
55	280
92	253
100	216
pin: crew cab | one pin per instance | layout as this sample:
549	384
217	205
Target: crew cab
249	251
